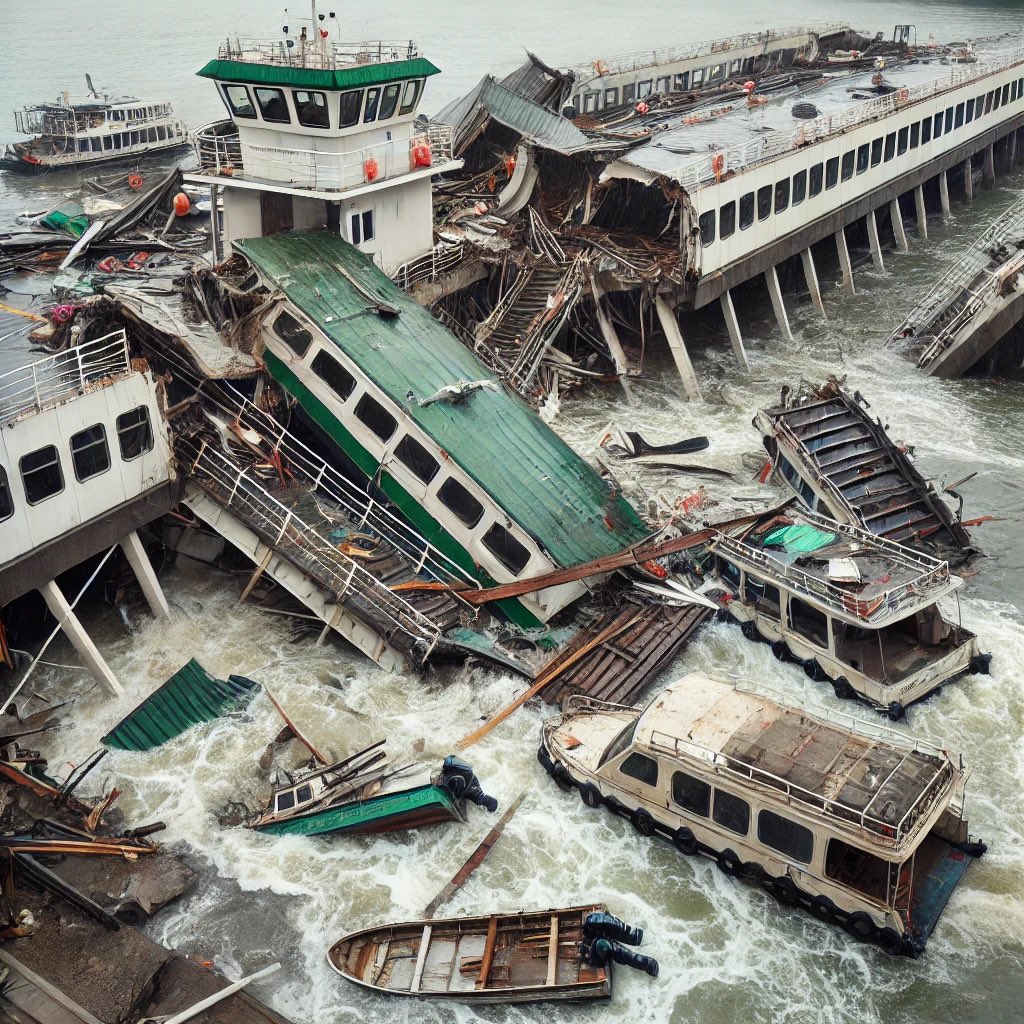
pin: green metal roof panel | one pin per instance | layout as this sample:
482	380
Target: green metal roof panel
189	697
311	78
540	482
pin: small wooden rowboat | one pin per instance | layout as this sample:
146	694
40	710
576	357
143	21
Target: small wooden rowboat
497	958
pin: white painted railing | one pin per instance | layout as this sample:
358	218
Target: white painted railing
218	148
440	260
321	55
47	382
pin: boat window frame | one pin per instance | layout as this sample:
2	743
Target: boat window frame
306	788
902	140
726	816
798	192
747	210
389	101
372	104
690	805
257	89
644	88
948	121
89	444
764	202
299	352
807	636
926	130
322	359
514	566
937	125
863	157
367	402
38	469
829	869
638	756
727	220
623	739
915	134
781	202
847	165
424	453
666	88
958	115
449	485
831	172
229	103
407	106
611	96
356	103
720	571
890	147
756	592
796	841
706	224
6	496
816	180
591	101
326	108
144	427
280	803
876	151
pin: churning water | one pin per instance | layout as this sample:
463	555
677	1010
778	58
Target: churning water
729	954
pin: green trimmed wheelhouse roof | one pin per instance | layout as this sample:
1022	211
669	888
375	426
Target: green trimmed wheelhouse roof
529	471
354	77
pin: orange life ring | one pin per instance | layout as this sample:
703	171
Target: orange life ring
371	171
718	165
135	182
902	95
421	155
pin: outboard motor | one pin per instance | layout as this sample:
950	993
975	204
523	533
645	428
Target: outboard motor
600	951
457	776
604	926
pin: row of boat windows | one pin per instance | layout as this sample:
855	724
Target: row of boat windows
287	800
124	140
794	841
378	103
42	475
139	113
826	175
409	452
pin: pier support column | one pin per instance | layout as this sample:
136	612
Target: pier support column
988	167
63	613
1019	148
611	339
807	258
771	277
968	181
143	569
670	325
944	194
218	251
899	234
876	246
922	213
844	262
1011	154
733	326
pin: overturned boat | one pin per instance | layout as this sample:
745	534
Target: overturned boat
860	825
543	956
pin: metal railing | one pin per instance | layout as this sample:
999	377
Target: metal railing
47	382
320	55
442	259
218	148
366	597
77	124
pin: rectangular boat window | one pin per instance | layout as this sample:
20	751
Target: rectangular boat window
611	97
790	839
764	202
239	101
707	227
6	501
410	96
781	195
286	801
799	187
370	412
389	101
863	152
847	168
746	211
643	89
590	102
698	78
691	794
796	481
988	102
134	433
808	622
982	104
362	227
731	812
761	595
1006	93
506	549
311	108
161	132
926	130
728	573
937	126
902	137
832	172
333	374
890	146
351	105
640	767
97	144
372	99
996	100
816	180
958	116
41	474
969	111
857	869
628	93
273	106
683	81
356	234
292	333
417	459
949	119
304	793
368	233
106	142
458	500
915	135
89	452
664	84
876	152
727	220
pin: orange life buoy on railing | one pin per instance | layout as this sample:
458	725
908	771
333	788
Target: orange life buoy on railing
370	170
718	165
421	155
902	95
135	182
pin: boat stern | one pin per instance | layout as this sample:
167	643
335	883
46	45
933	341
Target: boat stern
579	737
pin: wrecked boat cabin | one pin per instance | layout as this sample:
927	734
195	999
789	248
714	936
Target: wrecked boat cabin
841	462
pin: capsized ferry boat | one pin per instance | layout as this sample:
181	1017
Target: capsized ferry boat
96	130
859	824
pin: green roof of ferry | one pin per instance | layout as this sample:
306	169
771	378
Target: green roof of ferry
494	436
356	76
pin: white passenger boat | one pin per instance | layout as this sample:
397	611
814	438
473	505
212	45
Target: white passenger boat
858	824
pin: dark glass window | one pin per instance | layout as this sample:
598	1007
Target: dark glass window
89	452
351	105
372	100
926	130
727	220
847	169
239	101
949	119
983	104
41	474
764	202
417	459
1006	93
506	549
762	595
333	374
368	232
707	227
290	330
286	801
799	187
134	433
790	839
958	115
644	88
611	97
876	152
640	767
915	135
890	145
628	93
937	126
6	501
808	622
376	417
304	793
412	93
457	499
273	106
311	108
817	174
901	141
728	572
856	869
746	211
969	111
731	812
389	101
781	195
691	794
863	153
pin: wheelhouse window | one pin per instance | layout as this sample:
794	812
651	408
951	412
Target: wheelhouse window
691	794
239	101
286	801
628	93
857	869
936	126
333	374
311	109
410	96
949	120
372	101
134	433
389	101
6	501
926	130
645	88
664	84
847	168
810	623
707	227
292	333
727	220
832	172
460	502
590	102
417	459
799	187
816	180
41	474
273	106
351	105
790	839
304	793
681	82
640	767
506	549
731	812
728	573
958	116
746	211
764	202
781	195
969	111
373	415
90	453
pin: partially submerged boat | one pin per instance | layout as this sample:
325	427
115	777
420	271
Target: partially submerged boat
543	956
859	824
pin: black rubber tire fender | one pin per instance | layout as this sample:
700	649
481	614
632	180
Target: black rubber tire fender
785	891
822	908
843	689
814	670
729	862
891	941
591	795
685	841
895	711
642	821
751	632
781	650
561	776
861	927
